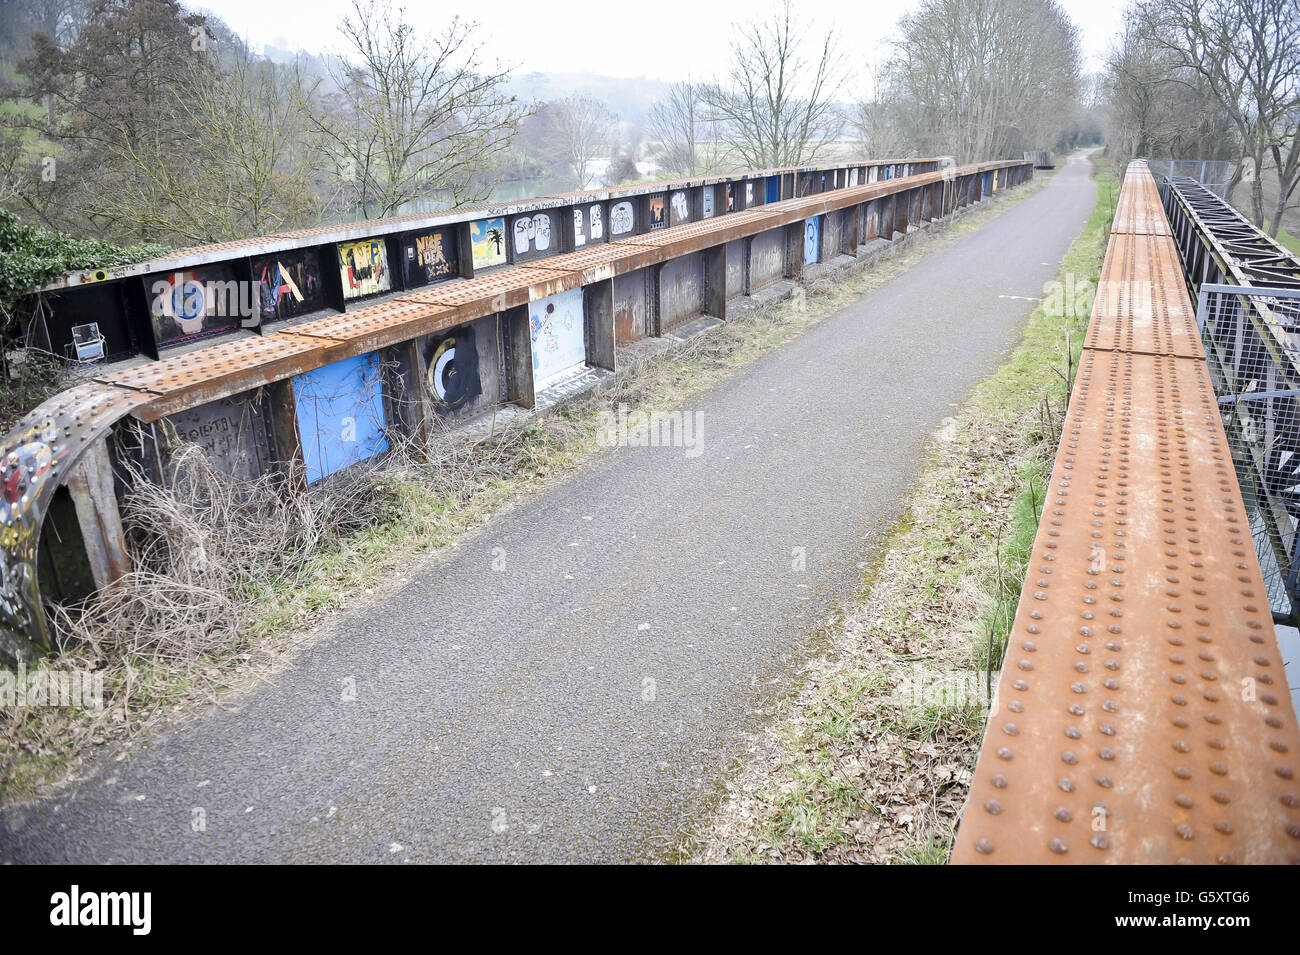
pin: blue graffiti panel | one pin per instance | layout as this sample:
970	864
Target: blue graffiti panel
340	414
559	335
773	188
812	231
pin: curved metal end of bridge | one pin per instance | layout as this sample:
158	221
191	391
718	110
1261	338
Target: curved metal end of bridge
34	461
1143	714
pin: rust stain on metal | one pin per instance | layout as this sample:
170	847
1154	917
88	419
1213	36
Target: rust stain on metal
1143	714
624	330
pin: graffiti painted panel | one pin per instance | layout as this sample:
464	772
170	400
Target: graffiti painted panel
340	414
579	229
811	239
708	202
622	219
231	432
657	212
195	303
462	368
588	225
773	188
429	257
532	235
452	361
289	284
363	266
679	208
487	239
749	194
559	340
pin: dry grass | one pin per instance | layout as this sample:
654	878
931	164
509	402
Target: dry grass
854	768
233	577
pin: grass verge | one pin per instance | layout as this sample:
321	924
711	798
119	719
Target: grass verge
870	761
234	579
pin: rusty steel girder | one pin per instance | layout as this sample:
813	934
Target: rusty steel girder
1143	714
1139	210
1140	303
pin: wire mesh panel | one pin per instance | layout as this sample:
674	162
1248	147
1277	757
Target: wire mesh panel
1252	345
1213	174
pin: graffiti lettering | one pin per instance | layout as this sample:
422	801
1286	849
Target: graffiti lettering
534	232
364	268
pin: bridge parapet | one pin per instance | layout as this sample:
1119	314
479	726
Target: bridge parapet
1143	713
321	395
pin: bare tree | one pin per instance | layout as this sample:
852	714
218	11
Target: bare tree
585	128
777	103
874	122
413	116
254	173
157	124
1156	106
121	159
686	129
1248	52
22	20
985	79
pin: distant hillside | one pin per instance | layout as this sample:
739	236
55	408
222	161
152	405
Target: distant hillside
631	98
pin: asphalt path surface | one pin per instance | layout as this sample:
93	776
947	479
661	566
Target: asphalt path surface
571	683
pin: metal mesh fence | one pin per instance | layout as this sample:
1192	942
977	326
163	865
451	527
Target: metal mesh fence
1213	174
1252	345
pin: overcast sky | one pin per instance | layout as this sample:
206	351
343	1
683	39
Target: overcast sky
661	39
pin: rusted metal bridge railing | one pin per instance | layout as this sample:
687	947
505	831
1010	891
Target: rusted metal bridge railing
1143	714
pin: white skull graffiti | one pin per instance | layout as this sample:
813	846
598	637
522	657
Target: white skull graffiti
620	218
